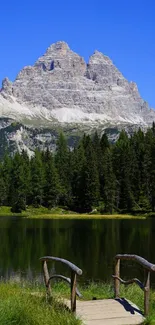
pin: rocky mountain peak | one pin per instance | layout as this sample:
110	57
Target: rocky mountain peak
59	56
6	87
59	48
61	88
101	69
98	58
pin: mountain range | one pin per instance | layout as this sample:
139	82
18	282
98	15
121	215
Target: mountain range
62	91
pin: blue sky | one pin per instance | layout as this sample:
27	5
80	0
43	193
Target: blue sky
123	30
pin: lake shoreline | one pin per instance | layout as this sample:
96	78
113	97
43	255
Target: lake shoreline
83	216
59	213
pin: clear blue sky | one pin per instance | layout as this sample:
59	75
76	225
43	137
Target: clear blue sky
121	29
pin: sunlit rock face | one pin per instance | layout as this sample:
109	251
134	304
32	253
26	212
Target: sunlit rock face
61	89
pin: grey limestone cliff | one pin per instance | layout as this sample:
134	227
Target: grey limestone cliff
60	89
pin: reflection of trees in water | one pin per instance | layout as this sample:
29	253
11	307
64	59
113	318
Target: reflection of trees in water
91	244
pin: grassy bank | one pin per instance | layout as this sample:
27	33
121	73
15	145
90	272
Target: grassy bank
26	304
59	213
21	306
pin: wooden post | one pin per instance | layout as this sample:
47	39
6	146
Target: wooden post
73	291
46	278
116	281
147	294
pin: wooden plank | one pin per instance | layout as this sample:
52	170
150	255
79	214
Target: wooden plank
119	321
109	312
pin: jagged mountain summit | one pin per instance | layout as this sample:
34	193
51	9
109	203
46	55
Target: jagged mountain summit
61	89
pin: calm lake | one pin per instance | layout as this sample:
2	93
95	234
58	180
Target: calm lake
90	244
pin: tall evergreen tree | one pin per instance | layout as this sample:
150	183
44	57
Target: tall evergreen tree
104	145
150	165
97	150
109	182
51	183
25	161
18	195
78	164
6	178
104	142
3	188
122	161
89	185
140	182
62	162
37	179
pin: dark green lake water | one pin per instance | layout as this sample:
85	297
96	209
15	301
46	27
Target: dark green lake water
90	244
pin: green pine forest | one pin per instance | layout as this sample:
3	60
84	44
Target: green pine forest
95	175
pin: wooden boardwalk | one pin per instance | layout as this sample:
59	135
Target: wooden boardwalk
108	312
117	311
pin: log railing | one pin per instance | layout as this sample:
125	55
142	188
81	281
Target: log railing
149	267
72	281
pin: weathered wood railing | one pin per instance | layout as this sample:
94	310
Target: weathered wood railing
72	281
149	267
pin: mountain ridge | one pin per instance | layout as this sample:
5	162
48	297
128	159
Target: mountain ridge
61	87
62	90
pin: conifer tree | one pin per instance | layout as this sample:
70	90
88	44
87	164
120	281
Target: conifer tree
98	151
6	178
89	185
18	196
3	188
25	161
104	142
150	152
37	179
51	183
104	145
122	161
62	162
140	183
109	182
122	175
78	164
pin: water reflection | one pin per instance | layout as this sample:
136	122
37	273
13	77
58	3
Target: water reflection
90	244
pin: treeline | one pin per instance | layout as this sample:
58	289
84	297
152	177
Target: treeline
96	174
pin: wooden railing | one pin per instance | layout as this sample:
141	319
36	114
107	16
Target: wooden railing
72	281
149	267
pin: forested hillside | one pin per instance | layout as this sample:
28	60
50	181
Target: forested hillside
96	174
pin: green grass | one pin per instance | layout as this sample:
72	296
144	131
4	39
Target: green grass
25	303
21	306
83	216
60	213
6	211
